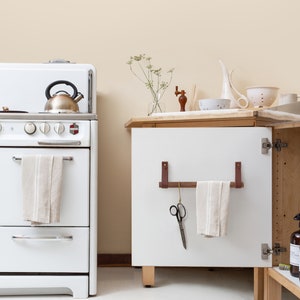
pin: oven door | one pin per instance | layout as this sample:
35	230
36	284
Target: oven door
75	187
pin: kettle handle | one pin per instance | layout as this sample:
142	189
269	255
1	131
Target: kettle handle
50	86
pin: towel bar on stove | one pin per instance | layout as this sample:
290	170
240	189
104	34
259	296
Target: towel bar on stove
64	158
164	183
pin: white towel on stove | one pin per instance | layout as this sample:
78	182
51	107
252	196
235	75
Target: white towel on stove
42	184
212	203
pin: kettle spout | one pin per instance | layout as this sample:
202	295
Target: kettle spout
228	89
78	97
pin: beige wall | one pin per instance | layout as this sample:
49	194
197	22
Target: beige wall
259	38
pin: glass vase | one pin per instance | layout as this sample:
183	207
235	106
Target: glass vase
156	107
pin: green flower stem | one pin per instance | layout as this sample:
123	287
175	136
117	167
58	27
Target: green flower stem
156	85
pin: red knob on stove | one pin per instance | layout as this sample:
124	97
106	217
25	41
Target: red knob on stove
74	129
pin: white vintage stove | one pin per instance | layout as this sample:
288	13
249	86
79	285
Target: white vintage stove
55	258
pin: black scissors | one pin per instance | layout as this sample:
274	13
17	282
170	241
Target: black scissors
179	212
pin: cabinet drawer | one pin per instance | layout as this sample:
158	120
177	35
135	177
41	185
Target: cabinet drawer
47	249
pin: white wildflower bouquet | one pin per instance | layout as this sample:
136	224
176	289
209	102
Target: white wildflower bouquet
142	68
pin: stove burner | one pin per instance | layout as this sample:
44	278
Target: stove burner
7	110
14	111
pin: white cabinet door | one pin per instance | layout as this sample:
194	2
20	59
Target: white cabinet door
196	154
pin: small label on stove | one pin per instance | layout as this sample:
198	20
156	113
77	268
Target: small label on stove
74	129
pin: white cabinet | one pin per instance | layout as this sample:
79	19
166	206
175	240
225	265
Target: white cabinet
196	154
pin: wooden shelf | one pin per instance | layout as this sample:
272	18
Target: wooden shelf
275	279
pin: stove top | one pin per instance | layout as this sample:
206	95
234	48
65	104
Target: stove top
17	115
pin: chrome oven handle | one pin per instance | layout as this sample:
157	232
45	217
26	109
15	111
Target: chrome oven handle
43	238
64	158
59	143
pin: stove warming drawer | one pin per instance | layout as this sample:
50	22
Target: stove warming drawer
44	249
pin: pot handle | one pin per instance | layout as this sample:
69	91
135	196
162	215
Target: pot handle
50	86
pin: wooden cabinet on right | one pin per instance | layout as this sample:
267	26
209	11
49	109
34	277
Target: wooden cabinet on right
286	188
286	204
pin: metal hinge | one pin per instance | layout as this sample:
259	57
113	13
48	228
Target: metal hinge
266	145
266	251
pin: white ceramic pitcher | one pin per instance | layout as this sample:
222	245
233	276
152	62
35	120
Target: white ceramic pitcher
228	89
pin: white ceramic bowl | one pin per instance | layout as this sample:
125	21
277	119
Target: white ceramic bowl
262	96
214	104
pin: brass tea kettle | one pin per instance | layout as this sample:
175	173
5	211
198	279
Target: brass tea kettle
62	101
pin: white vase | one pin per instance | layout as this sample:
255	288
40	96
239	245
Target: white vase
228	89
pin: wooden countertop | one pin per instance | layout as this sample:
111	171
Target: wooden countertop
217	118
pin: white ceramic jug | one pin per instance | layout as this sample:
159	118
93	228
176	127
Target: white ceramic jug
228	89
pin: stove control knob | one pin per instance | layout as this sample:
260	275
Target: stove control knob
30	128
44	128
59	128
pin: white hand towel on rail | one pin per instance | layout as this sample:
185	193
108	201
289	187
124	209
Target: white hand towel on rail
41	183
212	202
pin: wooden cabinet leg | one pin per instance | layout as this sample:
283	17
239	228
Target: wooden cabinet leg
258	283
148	275
273	289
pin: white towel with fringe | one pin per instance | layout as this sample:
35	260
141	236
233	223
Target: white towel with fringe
212	203
42	185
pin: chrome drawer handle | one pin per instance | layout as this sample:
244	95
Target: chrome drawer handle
43	238
64	158
58	143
